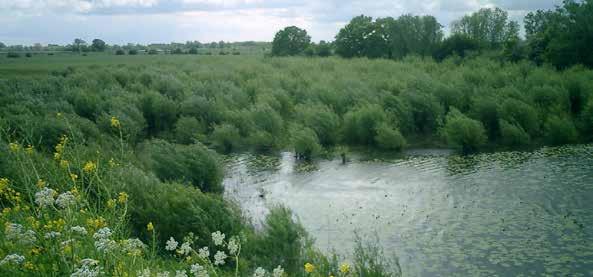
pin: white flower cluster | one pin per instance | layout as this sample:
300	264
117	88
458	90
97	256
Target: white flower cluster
133	246
103	243
180	273
65	200
233	246
144	273
218	238
163	274
171	244
185	249
79	230
52	235
219	258
204	253
12	259
16	233
259	272
88	268
198	271
278	272
45	197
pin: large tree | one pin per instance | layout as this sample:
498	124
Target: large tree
2	45
98	45
78	45
490	27
351	41
290	41
563	37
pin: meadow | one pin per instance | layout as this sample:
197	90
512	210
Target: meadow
113	164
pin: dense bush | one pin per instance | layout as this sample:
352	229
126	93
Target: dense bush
513	135
360	125
226	137
305	141
389	138
193	164
560	130
463	133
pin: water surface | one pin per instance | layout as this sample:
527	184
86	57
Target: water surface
506	214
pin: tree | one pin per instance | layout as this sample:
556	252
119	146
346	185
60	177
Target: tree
305	142
350	40
98	45
563	37
2	45
78	45
290	41
324	49
389	138
463	133
490	27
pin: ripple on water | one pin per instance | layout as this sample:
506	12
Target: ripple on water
506	213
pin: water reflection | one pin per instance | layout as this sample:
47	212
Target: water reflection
499	213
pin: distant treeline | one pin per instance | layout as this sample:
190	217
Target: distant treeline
98	45
562	37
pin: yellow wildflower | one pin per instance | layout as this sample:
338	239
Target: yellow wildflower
5	211
73	176
309	268
149	227
89	167
14	147
122	198
64	163
35	251
58	114
29	149
97	223
3	184
112	163
344	268
41	184
29	265
115	122
111	203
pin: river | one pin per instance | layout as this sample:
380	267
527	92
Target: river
504	213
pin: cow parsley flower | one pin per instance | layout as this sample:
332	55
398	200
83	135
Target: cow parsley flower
171	244
180	273
144	273
204	253
133	247
52	235
65	200
102	233
233	246
278	272
218	238
12	259
219	258
15	232
198	271
163	274
45	197
79	230
185	249
88	268
259	272
106	245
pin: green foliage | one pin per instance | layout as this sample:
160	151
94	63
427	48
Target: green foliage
305	142
361	124
193	164
98	45
389	138
513	135
369	260
281	242
120	52
458	44
463	133
225	137
560	130
490	27
188	130
322	120
290	41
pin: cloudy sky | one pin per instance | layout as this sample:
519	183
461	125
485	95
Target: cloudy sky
146	21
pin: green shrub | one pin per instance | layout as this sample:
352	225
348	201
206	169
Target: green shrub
193	164
159	111
463	133
513	135
389	138
560	130
516	111
322	120
120	52
188	130
360	125
13	55
225	137
305	142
